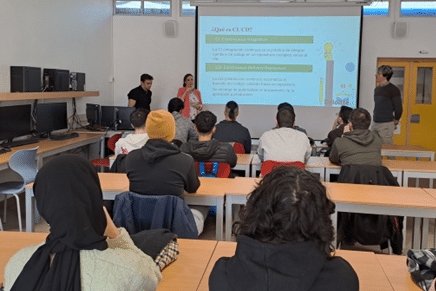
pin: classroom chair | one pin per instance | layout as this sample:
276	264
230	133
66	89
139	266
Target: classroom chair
268	166
223	170
23	163
111	145
239	148
137	212
369	229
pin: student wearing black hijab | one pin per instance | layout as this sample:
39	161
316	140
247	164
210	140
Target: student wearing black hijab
84	250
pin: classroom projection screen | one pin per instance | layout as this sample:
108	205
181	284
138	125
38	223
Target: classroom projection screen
307	56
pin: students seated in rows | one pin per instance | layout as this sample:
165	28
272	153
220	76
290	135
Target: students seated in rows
338	126
358	145
139	138
229	130
184	127
207	149
284	239
284	143
160	168
84	250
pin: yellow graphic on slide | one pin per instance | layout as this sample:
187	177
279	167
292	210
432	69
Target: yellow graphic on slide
328	47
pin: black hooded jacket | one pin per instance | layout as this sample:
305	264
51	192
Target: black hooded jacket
160	168
210	151
259	266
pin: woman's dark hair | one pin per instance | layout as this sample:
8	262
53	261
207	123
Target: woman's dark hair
186	77
289	205
232	110
175	104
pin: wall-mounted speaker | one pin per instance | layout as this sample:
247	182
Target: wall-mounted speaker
170	28
400	29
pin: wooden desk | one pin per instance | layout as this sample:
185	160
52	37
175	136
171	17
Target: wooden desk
408	151
187	271
395	269
210	193
11	242
184	274
366	265
52	147
244	162
383	200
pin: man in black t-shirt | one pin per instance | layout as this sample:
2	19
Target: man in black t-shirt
140	97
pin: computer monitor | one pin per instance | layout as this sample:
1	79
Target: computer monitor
14	121
50	117
124	118
109	116
93	114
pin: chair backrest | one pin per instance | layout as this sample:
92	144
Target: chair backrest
223	170
137	212
269	165
370	229
24	163
239	148
113	140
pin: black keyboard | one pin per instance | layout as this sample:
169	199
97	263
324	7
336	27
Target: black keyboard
20	142
64	136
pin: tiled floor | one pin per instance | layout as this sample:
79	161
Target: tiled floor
11	224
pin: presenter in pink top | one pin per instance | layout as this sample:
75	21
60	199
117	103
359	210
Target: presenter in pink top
191	97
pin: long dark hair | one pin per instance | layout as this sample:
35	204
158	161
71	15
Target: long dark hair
186	77
288	205
232	109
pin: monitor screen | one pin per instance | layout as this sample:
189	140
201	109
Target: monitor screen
108	116
93	113
51	116
124	117
14	121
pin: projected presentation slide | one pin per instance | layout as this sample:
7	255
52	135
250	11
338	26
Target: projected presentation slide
306	61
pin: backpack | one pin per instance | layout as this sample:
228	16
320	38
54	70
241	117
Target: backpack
213	174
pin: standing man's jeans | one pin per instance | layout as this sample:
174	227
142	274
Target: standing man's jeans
385	130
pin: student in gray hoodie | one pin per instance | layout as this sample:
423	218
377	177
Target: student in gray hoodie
358	145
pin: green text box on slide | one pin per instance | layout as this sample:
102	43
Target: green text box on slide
274	68
266	39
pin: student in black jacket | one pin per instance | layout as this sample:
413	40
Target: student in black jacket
285	240
207	149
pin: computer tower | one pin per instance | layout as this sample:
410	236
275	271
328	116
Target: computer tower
25	79
56	80
77	81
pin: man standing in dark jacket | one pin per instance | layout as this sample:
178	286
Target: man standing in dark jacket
387	105
207	149
358	145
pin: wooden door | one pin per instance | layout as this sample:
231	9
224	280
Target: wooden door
416	79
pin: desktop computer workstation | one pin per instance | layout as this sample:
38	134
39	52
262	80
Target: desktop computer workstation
109	117
16	122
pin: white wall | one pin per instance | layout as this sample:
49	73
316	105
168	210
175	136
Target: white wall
61	34
141	47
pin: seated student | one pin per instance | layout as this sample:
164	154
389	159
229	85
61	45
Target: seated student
207	149
160	168
284	239
339	124
284	144
229	130
184	127
139	138
358	145
287	105
84	250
